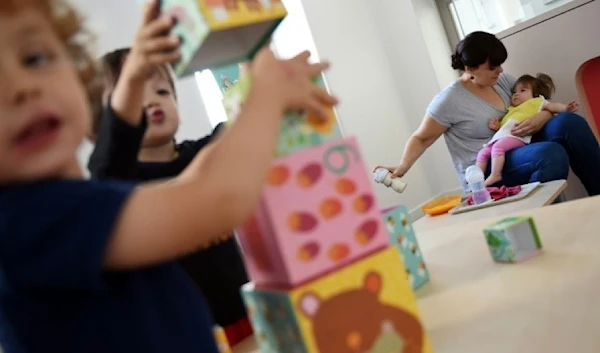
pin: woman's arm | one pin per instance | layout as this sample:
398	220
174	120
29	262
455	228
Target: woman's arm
429	131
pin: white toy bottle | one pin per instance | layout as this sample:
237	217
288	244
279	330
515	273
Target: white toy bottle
383	176
476	180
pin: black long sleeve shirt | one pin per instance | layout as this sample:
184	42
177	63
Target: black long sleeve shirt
218	270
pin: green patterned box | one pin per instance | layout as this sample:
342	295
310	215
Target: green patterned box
513	239
219	32
402	236
298	130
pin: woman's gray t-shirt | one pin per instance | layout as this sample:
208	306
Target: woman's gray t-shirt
466	116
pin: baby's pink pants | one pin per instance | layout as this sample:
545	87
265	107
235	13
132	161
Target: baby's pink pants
499	148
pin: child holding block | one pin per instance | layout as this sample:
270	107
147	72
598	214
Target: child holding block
93	270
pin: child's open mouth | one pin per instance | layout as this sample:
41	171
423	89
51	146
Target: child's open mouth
38	134
157	116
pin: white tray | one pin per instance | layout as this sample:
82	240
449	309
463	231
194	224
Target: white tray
526	190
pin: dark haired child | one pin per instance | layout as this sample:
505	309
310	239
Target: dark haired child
144	149
529	98
88	266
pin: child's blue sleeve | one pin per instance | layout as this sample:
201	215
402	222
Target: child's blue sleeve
54	234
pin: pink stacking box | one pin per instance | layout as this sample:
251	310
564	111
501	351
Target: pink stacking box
317	213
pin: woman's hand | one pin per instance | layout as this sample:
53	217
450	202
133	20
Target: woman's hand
397	171
532	125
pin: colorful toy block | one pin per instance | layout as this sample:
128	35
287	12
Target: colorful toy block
402	235
514	239
367	306
298	131
317	213
218	32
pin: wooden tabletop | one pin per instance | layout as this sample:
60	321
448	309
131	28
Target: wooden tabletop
544	195
548	304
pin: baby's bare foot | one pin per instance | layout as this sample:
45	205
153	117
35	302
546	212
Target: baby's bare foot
493	179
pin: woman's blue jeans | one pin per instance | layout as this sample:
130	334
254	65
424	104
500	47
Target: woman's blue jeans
565	140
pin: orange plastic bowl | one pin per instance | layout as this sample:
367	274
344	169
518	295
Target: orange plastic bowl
441	205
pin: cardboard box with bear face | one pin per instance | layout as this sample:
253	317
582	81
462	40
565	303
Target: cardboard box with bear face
298	130
219	32
367	306
402	235
514	239
317	213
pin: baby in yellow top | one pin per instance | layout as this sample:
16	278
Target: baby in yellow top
529	98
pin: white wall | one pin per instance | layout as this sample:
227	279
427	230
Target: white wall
383	75
436	40
557	47
420	71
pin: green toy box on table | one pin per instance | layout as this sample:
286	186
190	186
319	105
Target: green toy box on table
219	32
514	239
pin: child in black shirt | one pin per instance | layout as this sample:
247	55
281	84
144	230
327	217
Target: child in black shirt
147	152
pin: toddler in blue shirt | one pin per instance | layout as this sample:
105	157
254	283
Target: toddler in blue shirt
88	265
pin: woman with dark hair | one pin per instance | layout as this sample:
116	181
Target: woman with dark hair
462	110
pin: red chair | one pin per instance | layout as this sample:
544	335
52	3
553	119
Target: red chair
587	80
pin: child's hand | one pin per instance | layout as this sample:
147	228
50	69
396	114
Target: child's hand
494	124
572	107
153	44
289	82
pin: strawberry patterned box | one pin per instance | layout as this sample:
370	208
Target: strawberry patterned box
317	214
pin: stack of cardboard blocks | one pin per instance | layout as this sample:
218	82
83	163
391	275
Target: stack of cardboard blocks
324	278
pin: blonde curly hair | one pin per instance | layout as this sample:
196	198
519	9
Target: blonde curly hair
69	26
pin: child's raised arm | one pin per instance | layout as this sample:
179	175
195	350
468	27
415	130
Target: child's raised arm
222	186
151	48
557	108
